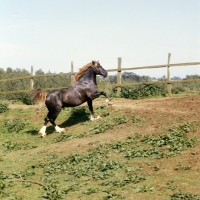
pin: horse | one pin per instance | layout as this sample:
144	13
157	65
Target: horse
83	90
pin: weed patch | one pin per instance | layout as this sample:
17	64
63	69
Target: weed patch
178	196
163	146
3	107
15	125
14	146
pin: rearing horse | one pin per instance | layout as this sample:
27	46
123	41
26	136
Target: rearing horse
84	90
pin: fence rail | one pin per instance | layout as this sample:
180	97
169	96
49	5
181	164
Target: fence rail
119	84
156	66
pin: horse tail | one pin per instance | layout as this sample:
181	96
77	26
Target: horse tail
38	95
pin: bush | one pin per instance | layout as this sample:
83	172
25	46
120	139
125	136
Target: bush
141	91
3	107
15	125
24	98
177	89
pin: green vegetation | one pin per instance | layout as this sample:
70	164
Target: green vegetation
143	91
64	80
111	169
3	106
59	81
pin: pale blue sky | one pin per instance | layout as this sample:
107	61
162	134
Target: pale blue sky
49	34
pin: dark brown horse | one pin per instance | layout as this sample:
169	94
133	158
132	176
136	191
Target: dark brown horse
84	90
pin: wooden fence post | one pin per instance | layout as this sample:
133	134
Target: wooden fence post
119	76
31	80
72	73
168	76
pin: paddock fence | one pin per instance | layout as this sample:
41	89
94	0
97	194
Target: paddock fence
119	71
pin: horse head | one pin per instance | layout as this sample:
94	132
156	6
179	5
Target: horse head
99	70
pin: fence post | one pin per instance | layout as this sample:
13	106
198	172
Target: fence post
31	80
168	76
119	76
72	73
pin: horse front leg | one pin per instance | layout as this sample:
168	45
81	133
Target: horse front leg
98	94
92	116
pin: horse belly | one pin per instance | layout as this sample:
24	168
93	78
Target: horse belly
73	100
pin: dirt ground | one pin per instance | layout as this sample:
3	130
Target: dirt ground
157	114
162	112
170	105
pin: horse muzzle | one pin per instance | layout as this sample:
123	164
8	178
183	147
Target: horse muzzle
102	72
105	74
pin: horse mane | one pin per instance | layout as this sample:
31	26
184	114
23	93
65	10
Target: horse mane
84	69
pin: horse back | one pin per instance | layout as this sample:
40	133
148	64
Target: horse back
65	97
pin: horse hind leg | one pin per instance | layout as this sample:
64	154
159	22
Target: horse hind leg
43	129
52	118
58	129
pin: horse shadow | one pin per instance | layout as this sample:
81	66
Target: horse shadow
32	132
77	115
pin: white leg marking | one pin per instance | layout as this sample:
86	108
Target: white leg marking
108	101
58	129
94	118
43	131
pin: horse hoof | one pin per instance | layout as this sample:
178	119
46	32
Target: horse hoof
61	130
58	129
108	101
43	136
94	118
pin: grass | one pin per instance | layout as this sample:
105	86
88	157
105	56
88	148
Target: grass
105	159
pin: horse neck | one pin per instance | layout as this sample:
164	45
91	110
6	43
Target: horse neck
89	76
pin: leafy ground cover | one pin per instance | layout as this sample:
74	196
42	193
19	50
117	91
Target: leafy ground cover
138	149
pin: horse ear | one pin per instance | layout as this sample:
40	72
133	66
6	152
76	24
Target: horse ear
93	62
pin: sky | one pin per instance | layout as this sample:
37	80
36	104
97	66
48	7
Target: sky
49	34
